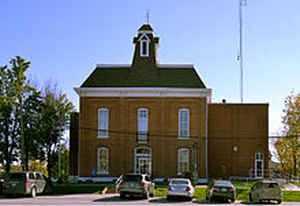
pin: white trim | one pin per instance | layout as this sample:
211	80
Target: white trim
186	66
179	123
106	135
178	160
145	32
141	92
144	35
142	48
78	154
149	155
260	159
98	161
142	125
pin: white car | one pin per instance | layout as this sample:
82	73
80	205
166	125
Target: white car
180	187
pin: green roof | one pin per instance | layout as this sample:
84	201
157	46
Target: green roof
145	27
171	76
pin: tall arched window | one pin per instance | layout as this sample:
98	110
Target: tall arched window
183	161
259	164
183	123
142	124
103	123
102	160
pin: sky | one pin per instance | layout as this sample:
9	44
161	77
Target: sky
65	40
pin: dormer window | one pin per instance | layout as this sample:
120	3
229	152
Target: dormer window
144	48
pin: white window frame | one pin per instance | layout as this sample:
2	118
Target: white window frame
259	157
180	124
142	47
99	171
143	123
181	160
105	125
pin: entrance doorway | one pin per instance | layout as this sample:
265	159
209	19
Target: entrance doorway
143	160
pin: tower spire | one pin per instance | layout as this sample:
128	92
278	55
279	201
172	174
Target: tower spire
147	16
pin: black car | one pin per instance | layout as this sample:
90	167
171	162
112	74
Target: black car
220	189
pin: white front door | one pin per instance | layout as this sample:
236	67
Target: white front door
144	166
259	168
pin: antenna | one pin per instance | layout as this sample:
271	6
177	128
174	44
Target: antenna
240	57
147	16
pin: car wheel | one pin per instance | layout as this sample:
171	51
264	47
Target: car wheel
211	199
169	197
151	194
122	195
206	198
279	201
250	198
232	200
33	192
146	196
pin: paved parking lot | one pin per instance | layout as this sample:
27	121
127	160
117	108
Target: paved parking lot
109	199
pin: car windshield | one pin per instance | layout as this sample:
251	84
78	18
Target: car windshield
179	182
132	178
223	184
17	176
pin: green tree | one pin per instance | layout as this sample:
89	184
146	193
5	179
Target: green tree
13	88
54	115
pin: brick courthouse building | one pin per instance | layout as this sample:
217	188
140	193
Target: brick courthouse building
159	119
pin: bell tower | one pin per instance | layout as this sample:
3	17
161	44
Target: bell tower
146	45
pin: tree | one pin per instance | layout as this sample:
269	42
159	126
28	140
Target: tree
54	116
288	147
13	87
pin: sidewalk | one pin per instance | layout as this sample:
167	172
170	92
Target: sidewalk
290	187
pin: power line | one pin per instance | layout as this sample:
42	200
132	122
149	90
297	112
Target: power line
191	137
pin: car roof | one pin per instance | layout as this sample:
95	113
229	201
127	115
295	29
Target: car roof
268	181
222	182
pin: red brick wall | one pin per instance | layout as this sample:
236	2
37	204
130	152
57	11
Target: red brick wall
163	130
241	125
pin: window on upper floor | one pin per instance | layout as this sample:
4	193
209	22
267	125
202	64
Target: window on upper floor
183	123
144	48
103	123
102	160
142	124
183	161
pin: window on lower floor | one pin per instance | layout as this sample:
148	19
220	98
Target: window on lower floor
183	161
102	160
259	164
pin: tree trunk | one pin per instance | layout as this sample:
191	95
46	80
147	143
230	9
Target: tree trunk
295	165
6	150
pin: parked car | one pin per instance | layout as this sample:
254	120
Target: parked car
220	189
23	183
180	187
265	190
137	185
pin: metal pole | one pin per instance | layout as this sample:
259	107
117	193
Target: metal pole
241	46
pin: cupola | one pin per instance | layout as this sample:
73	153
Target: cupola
145	46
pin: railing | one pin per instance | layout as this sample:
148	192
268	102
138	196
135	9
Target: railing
142	137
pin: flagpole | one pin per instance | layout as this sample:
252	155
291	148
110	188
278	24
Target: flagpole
241	47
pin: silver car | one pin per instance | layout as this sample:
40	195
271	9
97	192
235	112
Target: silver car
136	185
23	183
265	191
180	187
